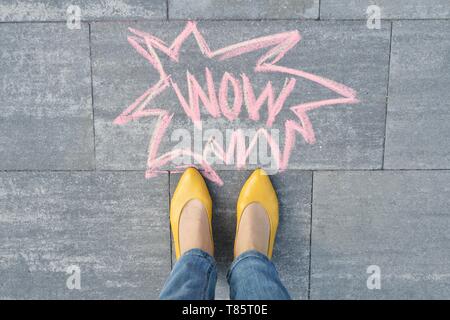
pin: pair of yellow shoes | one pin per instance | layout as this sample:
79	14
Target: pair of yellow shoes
257	189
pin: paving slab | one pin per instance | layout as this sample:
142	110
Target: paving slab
347	136
418	131
395	220
51	10
45	98
238	9
400	9
291	253
112	225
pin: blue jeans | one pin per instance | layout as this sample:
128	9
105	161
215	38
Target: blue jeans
252	276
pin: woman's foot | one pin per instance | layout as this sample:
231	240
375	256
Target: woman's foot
257	215
191	214
194	228
254	230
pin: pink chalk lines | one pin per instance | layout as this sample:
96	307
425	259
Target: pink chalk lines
217	104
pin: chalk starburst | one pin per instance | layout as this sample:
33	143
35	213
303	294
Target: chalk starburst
276	46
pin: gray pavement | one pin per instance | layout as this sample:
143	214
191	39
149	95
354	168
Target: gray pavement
372	191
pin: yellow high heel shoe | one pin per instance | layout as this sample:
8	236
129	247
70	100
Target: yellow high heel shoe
258	188
191	186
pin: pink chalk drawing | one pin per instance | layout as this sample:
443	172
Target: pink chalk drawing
217	105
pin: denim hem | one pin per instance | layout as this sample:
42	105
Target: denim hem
247	254
193	277
199	253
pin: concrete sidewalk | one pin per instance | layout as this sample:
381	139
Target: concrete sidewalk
372	190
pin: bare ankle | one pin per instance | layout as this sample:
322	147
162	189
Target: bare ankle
253	231
194	230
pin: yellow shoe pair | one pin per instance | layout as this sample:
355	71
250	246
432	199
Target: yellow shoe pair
257	189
